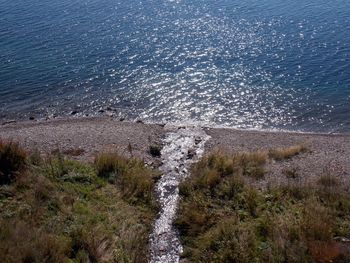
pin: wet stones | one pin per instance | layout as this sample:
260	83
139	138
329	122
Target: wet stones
181	148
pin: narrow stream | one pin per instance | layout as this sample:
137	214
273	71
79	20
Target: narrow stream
182	147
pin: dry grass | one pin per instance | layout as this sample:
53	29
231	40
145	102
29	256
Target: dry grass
328	180
286	153
12	161
108	164
246	164
224	219
61	211
133	178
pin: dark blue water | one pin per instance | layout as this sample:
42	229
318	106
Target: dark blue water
251	64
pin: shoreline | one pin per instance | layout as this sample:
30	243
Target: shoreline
205	126
325	156
82	138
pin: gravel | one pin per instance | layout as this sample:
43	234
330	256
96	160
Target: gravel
327	154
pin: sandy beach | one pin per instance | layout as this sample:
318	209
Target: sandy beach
326	153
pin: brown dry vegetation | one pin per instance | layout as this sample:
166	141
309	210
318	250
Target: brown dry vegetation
12	161
286	153
135	181
223	218
59	210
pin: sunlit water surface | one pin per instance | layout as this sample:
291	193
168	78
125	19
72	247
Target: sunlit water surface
269	64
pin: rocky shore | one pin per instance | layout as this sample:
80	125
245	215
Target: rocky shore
81	138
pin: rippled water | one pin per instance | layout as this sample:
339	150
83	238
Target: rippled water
241	63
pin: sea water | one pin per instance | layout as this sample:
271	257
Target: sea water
268	64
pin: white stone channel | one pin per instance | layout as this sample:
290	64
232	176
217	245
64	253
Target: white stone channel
182	147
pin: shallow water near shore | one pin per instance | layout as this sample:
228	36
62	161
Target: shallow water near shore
270	64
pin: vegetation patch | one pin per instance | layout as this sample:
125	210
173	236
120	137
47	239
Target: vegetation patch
328	180
134	179
287	153
222	218
12	161
59	210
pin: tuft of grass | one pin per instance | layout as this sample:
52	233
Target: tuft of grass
12	161
287	153
35	158
222	218
131	176
107	164
328	180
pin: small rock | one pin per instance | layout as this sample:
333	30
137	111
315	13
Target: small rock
139	121
149	163
51	116
101	111
109	114
155	150
122	119
74	112
197	141
31	118
162	248
191	153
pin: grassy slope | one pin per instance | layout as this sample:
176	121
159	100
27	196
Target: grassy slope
224	219
60	210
